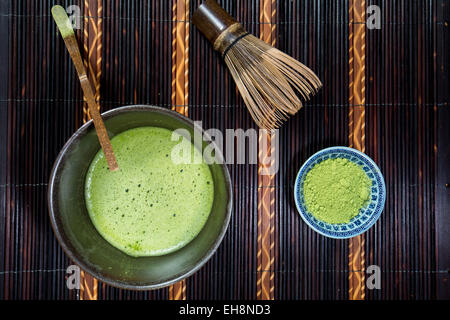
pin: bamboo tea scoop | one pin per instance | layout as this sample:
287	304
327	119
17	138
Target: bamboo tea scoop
66	30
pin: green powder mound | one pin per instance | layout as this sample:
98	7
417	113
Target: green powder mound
335	190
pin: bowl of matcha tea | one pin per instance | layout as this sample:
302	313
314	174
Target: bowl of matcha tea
340	192
158	218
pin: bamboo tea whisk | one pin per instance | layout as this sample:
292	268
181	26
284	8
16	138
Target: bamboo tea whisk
267	78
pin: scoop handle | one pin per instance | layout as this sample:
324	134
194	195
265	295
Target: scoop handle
212	20
66	30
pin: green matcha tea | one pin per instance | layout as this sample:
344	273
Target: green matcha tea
150	206
335	190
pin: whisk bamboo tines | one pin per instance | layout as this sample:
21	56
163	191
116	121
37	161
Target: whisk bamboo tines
268	79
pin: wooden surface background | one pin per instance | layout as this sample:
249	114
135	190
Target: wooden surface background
386	92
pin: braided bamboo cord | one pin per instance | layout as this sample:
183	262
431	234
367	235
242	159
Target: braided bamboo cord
357	133
266	196
92	47
180	86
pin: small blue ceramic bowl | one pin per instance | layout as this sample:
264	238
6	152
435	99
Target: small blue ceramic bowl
367	215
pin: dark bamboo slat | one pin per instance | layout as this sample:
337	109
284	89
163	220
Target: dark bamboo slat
4	66
442	131
401	138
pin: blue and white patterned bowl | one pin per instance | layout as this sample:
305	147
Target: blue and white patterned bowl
367	215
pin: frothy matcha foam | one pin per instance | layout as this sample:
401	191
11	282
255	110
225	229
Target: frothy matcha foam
150	206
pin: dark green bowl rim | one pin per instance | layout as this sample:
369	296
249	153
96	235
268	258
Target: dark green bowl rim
50	199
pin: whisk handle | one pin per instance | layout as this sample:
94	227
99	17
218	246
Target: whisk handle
212	20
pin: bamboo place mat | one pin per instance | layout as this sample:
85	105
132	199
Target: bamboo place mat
386	92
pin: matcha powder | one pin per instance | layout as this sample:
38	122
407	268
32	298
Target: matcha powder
335	190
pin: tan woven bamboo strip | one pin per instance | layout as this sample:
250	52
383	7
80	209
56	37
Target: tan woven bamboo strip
266	196
92	47
357	40
180	87
180	56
